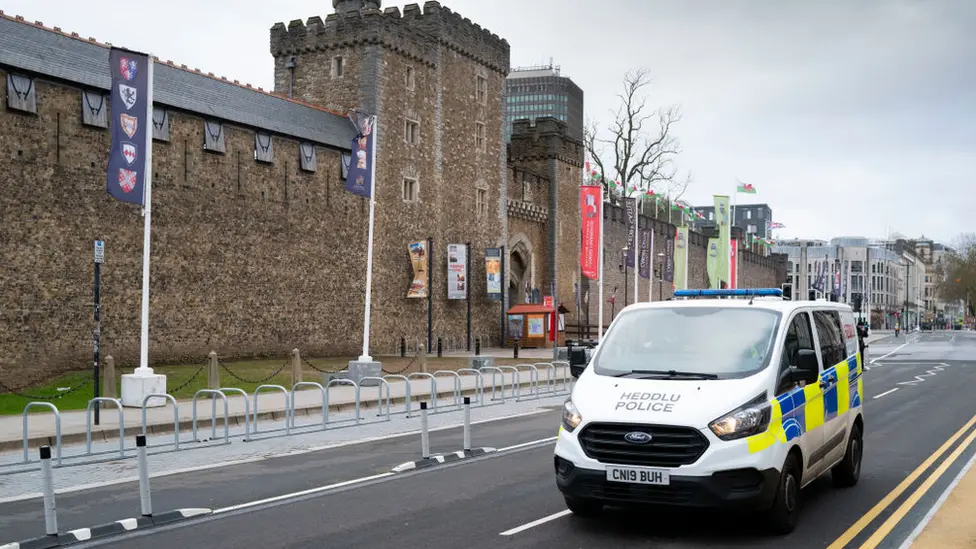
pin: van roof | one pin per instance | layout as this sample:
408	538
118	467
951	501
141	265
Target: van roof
772	303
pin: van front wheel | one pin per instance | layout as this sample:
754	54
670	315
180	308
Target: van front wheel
783	515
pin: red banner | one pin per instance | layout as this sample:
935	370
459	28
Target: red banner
734	264
591	210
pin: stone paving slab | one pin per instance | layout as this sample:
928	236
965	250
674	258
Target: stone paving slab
271	405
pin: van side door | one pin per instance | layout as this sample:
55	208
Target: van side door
792	395
833	355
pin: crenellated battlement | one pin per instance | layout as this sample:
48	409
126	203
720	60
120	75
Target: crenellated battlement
414	32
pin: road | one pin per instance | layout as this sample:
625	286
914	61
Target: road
918	397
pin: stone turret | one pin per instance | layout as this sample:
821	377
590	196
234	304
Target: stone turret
346	6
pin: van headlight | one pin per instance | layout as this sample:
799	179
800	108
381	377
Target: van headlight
571	416
749	419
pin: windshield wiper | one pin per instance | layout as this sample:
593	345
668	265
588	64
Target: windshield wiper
668	374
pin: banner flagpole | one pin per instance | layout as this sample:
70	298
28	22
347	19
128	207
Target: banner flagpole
636	252
147	225
600	306
365	357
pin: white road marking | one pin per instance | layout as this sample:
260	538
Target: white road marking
535	523
318	490
928	373
525	444
243	461
937	505
891	353
885	393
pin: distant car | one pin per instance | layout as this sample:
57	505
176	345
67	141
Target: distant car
926	326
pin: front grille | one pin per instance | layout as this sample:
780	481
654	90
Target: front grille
669	446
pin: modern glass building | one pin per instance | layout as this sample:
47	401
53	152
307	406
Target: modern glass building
534	92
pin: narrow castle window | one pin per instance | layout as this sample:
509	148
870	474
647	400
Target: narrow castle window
479	137
411	131
409	189
482	90
411	78
338	66
481	202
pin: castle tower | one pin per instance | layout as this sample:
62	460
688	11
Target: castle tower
435	80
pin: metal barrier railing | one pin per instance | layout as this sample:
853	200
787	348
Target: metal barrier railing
284	391
176	416
57	426
213	418
534	389
88	419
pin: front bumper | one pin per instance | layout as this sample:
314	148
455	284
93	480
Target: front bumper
740	489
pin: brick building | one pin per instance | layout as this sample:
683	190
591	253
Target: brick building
258	249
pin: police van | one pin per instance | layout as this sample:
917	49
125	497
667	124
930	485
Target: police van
731	398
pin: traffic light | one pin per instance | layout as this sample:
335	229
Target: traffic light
857	303
813	295
788	291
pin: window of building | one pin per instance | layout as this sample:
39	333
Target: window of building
482	89
410	189
481	202
411	131
480	140
411	78
338	66
748	214
751	229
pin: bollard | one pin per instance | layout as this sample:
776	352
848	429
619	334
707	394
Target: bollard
403	347
144	496
424	440
50	510
467	424
477	347
515	348
440	348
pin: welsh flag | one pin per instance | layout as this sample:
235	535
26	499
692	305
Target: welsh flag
776	225
746	188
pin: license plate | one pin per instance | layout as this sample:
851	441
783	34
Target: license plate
638	475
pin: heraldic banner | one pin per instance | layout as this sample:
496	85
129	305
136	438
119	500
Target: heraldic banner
591	209
681	258
418	257
131	119
359	177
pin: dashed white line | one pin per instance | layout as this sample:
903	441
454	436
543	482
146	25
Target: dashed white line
535	523
885	393
300	494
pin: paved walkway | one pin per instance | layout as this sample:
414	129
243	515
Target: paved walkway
952	525
271	404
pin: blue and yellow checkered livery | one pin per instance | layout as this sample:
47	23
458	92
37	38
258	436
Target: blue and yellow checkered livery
806	408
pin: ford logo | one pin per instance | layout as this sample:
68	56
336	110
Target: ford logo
637	437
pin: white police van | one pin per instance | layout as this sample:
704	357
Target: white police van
715	401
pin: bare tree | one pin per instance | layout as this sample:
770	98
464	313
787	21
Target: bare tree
956	275
642	145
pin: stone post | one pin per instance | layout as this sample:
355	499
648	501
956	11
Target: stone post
213	372
296	367
423	357
108	381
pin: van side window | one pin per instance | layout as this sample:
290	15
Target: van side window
832	347
798	336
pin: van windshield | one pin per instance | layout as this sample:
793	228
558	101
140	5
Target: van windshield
688	342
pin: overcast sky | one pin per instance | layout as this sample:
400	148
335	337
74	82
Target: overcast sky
849	117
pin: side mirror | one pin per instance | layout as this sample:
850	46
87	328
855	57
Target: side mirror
807	368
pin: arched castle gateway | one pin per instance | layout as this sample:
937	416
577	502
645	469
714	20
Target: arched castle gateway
257	249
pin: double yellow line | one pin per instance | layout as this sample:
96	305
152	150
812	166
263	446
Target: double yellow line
888	525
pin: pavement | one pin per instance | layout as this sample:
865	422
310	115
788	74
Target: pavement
271	406
920	429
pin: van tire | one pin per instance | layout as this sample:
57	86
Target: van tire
782	516
846	473
584	507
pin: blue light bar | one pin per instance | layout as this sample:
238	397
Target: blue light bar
730	292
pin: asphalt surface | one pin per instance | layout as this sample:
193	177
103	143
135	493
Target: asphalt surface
917	397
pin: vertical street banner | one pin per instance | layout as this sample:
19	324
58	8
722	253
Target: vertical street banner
591	209
359	177
711	263
723	221
131	120
681	258
457	268
644	270
418	257
493	272
734	263
631	208
669	259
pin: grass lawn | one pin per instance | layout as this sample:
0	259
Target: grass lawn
254	372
